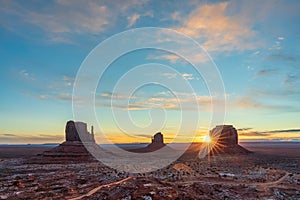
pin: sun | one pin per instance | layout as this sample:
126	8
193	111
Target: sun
206	139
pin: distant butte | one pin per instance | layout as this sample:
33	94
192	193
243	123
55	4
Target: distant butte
225	141
157	142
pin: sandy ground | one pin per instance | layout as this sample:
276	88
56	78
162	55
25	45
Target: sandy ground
20	151
287	149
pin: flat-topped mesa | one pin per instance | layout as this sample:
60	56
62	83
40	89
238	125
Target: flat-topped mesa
77	131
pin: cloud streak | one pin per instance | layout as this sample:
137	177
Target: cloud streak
265	72
269	133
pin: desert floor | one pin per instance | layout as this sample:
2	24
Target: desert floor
270	172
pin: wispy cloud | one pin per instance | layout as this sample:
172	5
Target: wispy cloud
283	57
187	76
251	103
244	129
248	103
132	19
253	134
32	138
160	100
170	75
268	134
61	19
284	131
24	74
219	31
276	46
291	80
265	72
43	89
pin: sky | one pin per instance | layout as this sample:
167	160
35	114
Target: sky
254	45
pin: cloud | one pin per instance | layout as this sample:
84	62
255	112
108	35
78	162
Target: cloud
273	93
61	19
284	131
43	97
187	76
173	58
33	138
283	57
43	89
244	129
143	135
176	16
161	100
269	133
251	102
132	19
65	17
253	134
276	46
291	80
247	103
217	30
170	75
265	72
8	135
69	81
24	74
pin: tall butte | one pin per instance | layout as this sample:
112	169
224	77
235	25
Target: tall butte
225	141
74	148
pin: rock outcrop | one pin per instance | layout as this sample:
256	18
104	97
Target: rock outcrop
74	148
225	141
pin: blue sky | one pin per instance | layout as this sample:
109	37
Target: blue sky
253	43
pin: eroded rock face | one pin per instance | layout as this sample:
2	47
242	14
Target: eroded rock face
71	132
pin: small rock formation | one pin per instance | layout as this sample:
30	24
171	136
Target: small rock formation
225	141
73	148
157	142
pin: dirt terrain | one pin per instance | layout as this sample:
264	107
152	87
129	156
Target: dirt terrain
264	174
